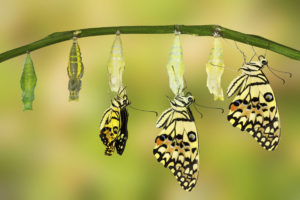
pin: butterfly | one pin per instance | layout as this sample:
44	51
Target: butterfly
113	125
75	70
254	108
176	147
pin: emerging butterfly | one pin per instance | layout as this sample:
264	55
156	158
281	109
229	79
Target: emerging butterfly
254	108
176	147
113	125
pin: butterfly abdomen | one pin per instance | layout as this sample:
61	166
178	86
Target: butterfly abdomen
109	150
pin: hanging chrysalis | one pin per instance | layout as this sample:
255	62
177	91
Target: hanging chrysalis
175	67
214	69
28	83
116	65
75	70
113	125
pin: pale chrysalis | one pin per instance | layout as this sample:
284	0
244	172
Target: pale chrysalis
214	69
116	65
175	67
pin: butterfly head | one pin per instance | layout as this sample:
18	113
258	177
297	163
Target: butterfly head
263	61
123	101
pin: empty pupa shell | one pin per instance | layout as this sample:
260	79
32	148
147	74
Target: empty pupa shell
214	69
175	67
116	65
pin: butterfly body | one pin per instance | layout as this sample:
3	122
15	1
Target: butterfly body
176	147
113	125
254	108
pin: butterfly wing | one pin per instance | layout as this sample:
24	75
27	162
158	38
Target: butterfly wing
176	147
109	129
123	135
254	110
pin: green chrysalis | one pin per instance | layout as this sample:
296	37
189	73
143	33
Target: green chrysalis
28	82
75	70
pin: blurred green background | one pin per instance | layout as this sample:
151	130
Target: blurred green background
54	151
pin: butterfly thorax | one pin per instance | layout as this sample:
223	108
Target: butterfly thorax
252	68
181	102
120	102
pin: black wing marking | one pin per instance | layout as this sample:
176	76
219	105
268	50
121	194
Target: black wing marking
123	136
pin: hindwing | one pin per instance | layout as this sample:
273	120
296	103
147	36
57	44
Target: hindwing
123	136
254	109
113	130
176	147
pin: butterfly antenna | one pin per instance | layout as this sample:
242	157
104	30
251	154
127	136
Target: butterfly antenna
253	54
244	56
271	70
156	114
121	89
185	84
169	98
201	114
222	110
284	72
226	68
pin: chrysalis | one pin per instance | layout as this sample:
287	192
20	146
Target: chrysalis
116	65
75	70
214	69
28	82
175	67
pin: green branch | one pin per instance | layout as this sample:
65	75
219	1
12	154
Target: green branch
201	30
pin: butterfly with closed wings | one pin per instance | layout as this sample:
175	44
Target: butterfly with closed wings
176	147
113	125
254	107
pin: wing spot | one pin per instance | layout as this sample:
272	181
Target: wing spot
268	97
192	136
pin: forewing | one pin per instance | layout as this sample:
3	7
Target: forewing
235	85
164	118
256	112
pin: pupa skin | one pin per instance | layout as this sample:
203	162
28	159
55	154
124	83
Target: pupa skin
214	69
